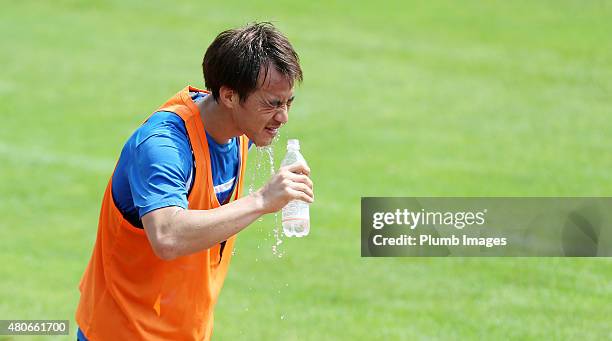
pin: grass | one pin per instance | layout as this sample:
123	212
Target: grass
399	99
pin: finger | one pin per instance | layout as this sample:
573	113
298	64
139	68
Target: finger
301	178
298	186
299	168
299	195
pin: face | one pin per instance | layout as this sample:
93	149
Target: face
266	109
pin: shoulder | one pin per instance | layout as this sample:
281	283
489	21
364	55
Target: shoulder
162	123
162	142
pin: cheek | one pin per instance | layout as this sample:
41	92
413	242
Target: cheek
253	122
255	118
265	116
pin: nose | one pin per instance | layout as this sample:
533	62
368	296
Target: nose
282	116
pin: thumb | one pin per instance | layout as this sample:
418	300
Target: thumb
299	168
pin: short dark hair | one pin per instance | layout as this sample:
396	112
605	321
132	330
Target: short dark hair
236	56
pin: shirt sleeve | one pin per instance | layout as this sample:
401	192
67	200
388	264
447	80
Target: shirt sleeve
162	164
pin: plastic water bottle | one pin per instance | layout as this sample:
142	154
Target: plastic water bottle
296	215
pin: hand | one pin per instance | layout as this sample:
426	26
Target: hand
289	183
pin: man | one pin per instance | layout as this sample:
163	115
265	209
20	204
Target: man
168	222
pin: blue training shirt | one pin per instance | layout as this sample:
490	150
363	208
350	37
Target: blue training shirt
156	167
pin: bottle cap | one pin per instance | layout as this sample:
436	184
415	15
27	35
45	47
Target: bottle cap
293	144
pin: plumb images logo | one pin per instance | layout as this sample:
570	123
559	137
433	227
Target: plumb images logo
524	227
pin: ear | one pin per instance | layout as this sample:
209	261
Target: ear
228	97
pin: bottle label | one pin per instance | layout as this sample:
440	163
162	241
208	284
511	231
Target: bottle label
296	210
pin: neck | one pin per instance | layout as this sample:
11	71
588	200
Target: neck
218	121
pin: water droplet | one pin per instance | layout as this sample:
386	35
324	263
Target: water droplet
277	237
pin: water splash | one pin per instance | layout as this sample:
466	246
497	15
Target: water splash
259	178
270	154
258	171
253	174
276	229
277	237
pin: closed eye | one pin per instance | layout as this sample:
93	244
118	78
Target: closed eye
279	103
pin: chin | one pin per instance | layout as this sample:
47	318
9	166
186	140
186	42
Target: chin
261	139
262	142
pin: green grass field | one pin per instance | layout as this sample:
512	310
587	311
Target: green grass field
470	98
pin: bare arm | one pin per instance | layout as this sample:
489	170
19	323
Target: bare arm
174	231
